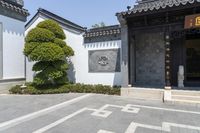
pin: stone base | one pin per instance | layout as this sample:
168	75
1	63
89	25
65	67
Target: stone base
167	95
143	93
168	87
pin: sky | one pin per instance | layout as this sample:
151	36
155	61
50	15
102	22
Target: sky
82	12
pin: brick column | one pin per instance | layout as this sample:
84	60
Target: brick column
124	50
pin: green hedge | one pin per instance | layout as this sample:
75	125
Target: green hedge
67	88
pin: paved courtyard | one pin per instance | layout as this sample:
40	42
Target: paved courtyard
90	113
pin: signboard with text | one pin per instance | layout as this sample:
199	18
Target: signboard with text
192	21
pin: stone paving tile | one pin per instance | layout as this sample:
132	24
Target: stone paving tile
114	114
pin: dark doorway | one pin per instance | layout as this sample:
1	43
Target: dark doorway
192	74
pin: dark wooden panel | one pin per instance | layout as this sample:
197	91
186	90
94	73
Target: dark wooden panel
178	58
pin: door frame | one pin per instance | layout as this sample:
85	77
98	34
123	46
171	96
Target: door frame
186	82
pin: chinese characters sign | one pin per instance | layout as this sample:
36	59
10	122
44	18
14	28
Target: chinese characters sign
192	21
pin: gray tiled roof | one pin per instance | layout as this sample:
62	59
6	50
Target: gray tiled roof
157	4
103	31
19	3
60	20
10	6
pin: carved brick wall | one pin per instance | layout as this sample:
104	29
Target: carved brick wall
104	60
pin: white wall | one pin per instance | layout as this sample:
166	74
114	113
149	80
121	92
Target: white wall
13	44
80	61
80	72
100	78
74	39
1	51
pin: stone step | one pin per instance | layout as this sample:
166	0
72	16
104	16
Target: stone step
185	102
186	97
143	93
186	93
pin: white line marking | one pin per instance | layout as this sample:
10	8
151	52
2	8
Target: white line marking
133	126
102	112
60	121
166	127
14	122
130	109
165	109
96	112
104	131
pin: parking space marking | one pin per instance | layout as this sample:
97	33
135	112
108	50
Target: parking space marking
14	122
133	126
165	109
101	112
129	108
60	121
166	127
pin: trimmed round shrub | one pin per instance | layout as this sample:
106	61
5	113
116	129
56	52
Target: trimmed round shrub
52	73
49	76
60	42
68	50
62	79
40	35
41	65
60	65
45	46
41	79
47	52
29	47
53	27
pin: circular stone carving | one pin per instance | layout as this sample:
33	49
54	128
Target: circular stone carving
103	61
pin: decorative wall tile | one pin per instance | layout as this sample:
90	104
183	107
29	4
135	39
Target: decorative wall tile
104	60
